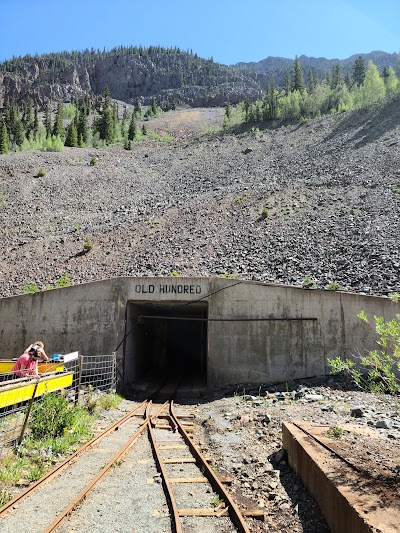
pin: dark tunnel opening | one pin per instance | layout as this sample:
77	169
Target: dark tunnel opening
167	341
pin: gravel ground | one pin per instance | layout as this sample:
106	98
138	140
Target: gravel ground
330	189
241	431
108	507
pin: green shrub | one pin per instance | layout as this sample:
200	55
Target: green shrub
109	401
51	416
93	161
333	286
64	281
174	274
309	283
88	245
30	287
265	213
378	370
41	173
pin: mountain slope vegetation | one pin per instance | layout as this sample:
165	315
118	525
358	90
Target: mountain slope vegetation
316	201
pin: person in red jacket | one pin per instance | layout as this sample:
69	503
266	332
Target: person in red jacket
27	363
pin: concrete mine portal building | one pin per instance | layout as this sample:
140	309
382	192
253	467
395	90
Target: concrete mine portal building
221	331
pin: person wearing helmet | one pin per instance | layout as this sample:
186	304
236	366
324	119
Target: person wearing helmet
27	363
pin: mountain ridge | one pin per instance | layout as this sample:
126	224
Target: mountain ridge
169	75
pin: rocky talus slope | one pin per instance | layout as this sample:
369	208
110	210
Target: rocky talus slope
329	190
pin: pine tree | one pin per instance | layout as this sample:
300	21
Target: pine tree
124	120
137	108
47	120
144	131
287	84
35	127
153	106
82	127
312	81
17	127
3	137
298	77
358	70
132	131
271	101
336	76
58	127
105	125
72	136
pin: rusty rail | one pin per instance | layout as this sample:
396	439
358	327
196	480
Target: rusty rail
233	510
59	468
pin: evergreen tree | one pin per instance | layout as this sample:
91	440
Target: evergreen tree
144	131
72	136
58	127
271	101
47	120
137	108
358	70
153	106
124	120
132	131
312	81
105	125
19	132
3	136
17	128
35	127
27	117
336	76
287	84
298	77
228	111
82	127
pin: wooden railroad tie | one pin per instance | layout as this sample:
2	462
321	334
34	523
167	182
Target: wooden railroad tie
184	460
256	513
173	447
224	479
170	428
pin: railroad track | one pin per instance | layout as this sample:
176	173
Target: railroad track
193	497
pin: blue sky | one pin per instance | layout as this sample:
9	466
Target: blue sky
229	31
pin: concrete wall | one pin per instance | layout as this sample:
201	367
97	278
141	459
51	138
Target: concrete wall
91	318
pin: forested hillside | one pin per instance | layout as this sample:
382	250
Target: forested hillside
92	120
170	75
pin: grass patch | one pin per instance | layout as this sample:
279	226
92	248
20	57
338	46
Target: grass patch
109	401
56	428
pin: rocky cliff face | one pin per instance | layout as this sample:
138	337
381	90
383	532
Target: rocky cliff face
129	77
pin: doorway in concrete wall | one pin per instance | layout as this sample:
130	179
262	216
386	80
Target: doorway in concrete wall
166	342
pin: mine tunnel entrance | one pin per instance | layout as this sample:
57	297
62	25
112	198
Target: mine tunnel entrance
168	340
